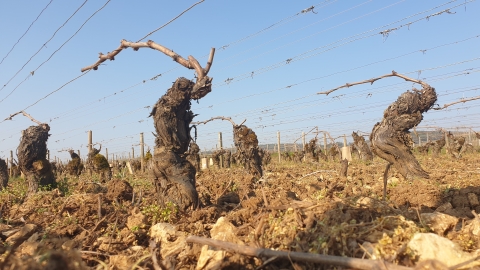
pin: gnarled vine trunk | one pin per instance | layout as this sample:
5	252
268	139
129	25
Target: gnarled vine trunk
32	153
264	156
456	145
3	174
193	155
362	147
172	174
246	142
310	154
437	146
97	163
391	138
74	166
226	158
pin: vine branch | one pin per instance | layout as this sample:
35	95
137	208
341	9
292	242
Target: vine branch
219	118
296	256
371	81
24	114
191	63
463	100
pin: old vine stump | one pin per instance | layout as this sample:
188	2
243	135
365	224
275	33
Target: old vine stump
246	142
97	163
74	166
172	174
3	173
391	138
32	153
362	147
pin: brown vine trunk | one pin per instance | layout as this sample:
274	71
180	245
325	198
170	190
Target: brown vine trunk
216	157
264	156
172	174
310	154
97	163
74	166
456	145
32	153
3	173
437	146
193	155
247	149
344	168
226	159
362	147
423	149
391	139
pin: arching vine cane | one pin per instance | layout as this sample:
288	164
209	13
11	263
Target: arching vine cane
172	174
390	138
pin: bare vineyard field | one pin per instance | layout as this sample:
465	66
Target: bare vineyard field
303	207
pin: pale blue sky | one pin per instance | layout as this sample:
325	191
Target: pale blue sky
340	43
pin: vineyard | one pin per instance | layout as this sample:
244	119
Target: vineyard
331	136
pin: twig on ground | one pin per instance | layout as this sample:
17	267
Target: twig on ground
295	256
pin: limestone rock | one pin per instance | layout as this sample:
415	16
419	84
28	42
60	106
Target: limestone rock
429	246
438	222
172	242
210	257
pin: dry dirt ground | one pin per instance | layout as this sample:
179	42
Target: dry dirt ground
86	224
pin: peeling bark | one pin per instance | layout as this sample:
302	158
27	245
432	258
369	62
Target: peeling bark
362	147
32	153
193	155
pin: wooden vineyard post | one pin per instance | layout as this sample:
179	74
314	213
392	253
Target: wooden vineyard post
303	140
133	153
428	138
278	147
325	142
220	144
90	141
78	152
447	144
142	153
346	154
11	163
48	155
106	153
